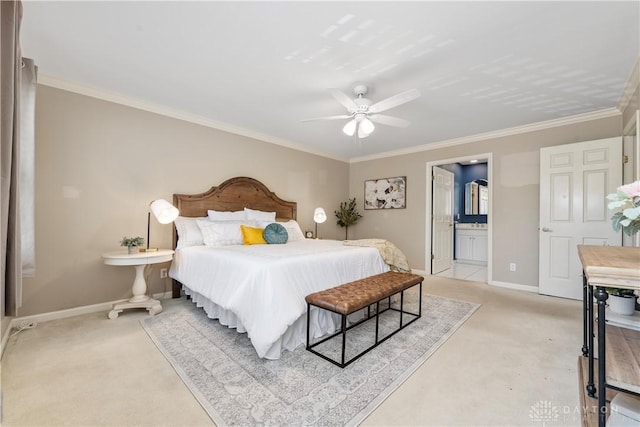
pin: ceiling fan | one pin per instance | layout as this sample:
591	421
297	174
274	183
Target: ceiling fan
363	112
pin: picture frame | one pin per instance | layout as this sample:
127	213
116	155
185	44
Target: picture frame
385	193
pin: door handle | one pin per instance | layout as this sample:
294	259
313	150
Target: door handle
546	230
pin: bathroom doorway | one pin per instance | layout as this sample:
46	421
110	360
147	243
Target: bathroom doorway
470	219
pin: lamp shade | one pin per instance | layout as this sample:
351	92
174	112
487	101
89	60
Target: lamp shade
364	125
350	127
164	211
366	128
319	215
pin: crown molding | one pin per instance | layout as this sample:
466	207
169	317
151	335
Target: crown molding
139	104
633	84
548	124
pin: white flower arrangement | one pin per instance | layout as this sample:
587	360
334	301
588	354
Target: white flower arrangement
628	198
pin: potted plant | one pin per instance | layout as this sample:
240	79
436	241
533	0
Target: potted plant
132	243
347	215
622	301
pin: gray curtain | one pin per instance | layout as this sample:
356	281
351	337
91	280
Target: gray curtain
10	81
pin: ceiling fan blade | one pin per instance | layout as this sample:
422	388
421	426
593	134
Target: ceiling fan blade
343	99
389	120
342	116
394	101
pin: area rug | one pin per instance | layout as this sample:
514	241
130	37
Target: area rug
237	388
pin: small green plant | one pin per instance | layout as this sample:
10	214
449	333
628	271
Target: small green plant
132	241
347	215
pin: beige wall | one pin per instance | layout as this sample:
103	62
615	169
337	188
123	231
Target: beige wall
99	164
514	185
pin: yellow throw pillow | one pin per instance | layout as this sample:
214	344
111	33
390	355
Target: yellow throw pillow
252	236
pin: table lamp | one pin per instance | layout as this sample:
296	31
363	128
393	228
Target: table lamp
164	212
319	216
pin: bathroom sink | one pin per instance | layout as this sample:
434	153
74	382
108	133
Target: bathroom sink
471	226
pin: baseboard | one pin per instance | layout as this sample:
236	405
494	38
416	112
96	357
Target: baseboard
515	286
163	295
63	314
70	312
6	333
420	272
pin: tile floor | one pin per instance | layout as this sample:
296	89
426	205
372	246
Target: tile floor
476	273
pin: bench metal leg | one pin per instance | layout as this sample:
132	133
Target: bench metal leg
344	336
308	322
377	320
401	307
343	362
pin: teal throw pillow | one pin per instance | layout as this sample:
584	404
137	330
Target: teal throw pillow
275	234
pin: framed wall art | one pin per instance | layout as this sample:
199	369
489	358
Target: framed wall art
385	193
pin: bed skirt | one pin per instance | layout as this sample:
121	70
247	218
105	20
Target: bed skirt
322	323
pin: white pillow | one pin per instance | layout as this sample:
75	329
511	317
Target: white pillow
222	233
293	229
189	233
260	215
226	216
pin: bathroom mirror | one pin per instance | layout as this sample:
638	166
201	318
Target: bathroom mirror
471	198
483	208
476	198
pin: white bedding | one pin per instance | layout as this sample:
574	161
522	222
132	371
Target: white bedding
260	289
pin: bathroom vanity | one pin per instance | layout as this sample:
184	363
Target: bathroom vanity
471	243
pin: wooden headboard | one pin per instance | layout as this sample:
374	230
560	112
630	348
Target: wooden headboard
234	194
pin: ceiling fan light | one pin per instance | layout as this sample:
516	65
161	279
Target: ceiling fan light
362	134
350	128
366	127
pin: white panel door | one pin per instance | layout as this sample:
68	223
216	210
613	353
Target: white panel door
442	217
574	182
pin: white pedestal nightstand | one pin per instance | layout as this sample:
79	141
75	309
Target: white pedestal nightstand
139	261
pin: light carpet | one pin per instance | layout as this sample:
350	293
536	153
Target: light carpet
235	387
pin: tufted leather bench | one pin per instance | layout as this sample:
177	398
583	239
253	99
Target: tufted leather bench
351	297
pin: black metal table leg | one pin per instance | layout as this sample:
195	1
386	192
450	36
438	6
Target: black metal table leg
591	389
601	297
585	316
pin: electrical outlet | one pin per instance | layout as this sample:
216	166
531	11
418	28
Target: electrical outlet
25	324
512	266
163	273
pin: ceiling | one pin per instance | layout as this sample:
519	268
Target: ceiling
259	68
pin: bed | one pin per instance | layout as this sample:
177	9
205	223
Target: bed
261	289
